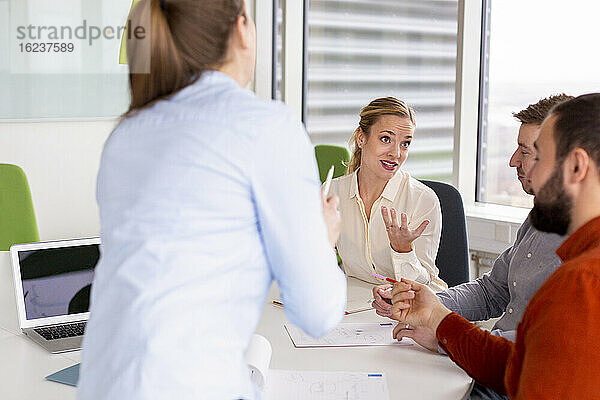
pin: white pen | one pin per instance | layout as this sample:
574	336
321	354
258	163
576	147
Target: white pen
328	181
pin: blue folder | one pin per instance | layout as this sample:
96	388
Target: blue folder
68	376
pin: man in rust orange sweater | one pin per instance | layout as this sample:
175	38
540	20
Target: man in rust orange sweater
557	352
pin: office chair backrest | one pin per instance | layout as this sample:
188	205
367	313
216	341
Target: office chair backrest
17	218
328	155
453	254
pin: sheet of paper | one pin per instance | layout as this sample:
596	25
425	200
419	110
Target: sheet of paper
317	385
348	334
360	296
354	306
258	358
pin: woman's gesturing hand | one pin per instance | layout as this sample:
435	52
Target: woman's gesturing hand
400	236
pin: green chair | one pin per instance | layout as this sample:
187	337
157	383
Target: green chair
17	218
328	155
123	49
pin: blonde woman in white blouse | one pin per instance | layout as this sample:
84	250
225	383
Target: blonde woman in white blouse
391	223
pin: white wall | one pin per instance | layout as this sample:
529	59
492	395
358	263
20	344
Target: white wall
61	161
61	158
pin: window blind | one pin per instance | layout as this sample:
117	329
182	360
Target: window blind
359	50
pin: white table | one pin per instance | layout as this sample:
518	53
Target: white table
411	371
24	364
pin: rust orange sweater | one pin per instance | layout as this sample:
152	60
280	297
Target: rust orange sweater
557	352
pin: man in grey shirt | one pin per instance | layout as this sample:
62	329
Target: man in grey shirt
516	274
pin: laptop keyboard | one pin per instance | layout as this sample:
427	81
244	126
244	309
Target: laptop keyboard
61	331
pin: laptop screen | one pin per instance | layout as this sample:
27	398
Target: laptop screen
57	281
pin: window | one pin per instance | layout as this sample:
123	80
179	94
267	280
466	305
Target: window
277	72
358	50
531	50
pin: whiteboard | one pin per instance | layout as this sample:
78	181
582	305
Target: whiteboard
87	82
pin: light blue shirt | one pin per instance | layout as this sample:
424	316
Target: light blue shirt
204	199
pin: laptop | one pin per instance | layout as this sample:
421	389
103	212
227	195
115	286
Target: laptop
52	288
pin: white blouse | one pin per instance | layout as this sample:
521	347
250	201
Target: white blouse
364	245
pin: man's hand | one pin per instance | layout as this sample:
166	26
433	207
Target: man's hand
422	335
382	303
415	304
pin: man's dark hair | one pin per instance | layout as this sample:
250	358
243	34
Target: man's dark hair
535	113
577	124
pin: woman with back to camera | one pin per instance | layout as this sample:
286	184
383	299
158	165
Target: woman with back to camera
206	194
391	222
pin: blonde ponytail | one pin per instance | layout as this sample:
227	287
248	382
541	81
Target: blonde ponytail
184	39
356	152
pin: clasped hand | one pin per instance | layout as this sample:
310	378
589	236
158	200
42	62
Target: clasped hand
382	300
419	312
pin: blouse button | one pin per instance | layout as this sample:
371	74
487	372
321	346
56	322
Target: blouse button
515	283
510	310
445	341
528	255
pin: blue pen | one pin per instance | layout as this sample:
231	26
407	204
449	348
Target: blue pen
387	324
375	375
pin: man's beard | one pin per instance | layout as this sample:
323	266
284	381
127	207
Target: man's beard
552	206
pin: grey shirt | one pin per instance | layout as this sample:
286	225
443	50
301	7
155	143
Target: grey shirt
515	276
